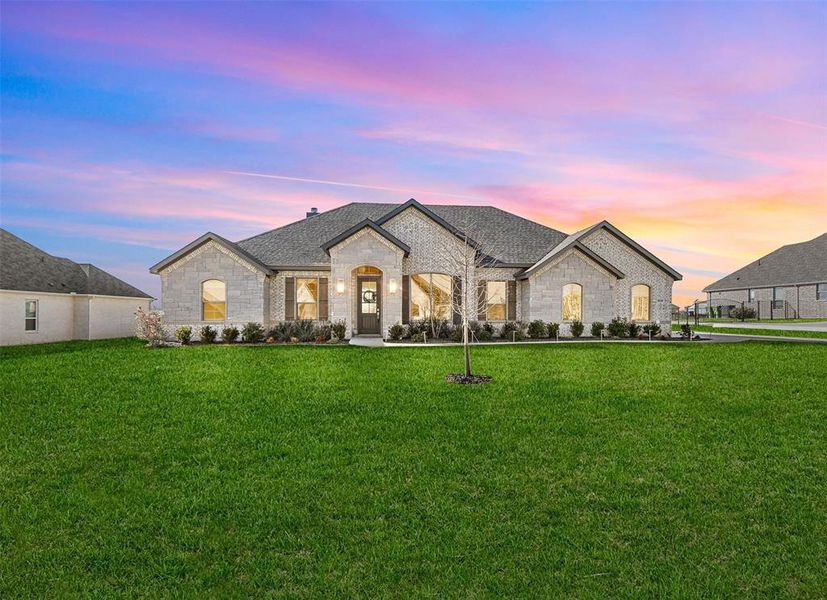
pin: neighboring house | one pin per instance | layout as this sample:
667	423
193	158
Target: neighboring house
44	298
790	282
374	265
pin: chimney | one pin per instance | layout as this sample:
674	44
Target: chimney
313	212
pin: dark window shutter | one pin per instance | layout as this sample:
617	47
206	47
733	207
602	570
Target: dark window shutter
481	300
511	301
406	300
457	291
322	298
289	299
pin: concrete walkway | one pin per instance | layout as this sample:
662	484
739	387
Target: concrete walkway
815	326
367	341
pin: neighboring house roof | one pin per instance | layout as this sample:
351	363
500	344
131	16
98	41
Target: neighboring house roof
510	239
575	240
210	237
804	262
372	226
26	268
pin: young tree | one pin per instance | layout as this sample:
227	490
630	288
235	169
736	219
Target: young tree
465	257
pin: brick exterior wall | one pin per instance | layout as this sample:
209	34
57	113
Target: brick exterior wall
247	288
637	269
546	298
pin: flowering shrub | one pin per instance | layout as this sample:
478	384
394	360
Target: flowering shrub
148	327
184	334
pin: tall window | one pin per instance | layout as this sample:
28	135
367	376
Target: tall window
821	291
213	300
307	298
572	302
31	315
495	300
430	296
640	302
778	297
751	295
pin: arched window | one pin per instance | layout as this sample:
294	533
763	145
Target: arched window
368	270
572	302
213	300
640	302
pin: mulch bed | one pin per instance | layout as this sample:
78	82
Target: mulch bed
470	380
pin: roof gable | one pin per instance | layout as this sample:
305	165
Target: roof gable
412	203
208	237
367	223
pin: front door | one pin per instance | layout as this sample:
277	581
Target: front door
368	302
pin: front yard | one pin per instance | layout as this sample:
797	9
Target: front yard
589	470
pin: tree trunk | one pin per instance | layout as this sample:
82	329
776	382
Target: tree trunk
466	348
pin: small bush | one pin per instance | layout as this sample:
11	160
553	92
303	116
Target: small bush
577	328
252	333
618	328
484	335
537	329
280	332
652	328
418	337
456	334
597	329
439	329
417	326
634	329
742	312
184	334
512	330
396	331
324	331
304	330
207	334
686	332
553	329
474	327
339	329
148	327
229	334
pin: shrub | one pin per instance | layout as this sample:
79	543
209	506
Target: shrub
339	329
229	334
686	332
280	332
597	329
324	331
634	329
474	326
207	334
456	334
418	337
484	335
618	328
396	331
148	327
652	328
304	330
252	333
440	329
742	312
512	330
577	328
537	329
184	334
553	329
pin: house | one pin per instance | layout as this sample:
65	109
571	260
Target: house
790	282
374	265
44	298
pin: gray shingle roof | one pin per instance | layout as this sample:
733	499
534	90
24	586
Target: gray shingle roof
804	262
511	239
27	268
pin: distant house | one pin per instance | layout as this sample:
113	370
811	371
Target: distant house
44	298
790	282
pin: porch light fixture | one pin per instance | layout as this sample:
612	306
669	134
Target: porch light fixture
392	286
340	286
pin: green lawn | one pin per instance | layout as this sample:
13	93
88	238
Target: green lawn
800	333
592	470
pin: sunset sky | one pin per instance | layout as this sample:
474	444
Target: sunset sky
698	129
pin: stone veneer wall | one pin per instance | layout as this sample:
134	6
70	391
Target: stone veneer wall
572	267
364	248
637	269
248	297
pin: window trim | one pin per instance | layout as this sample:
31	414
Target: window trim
824	299
582	302
411	284
296	298
36	315
778	303
203	318
632	303
505	300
